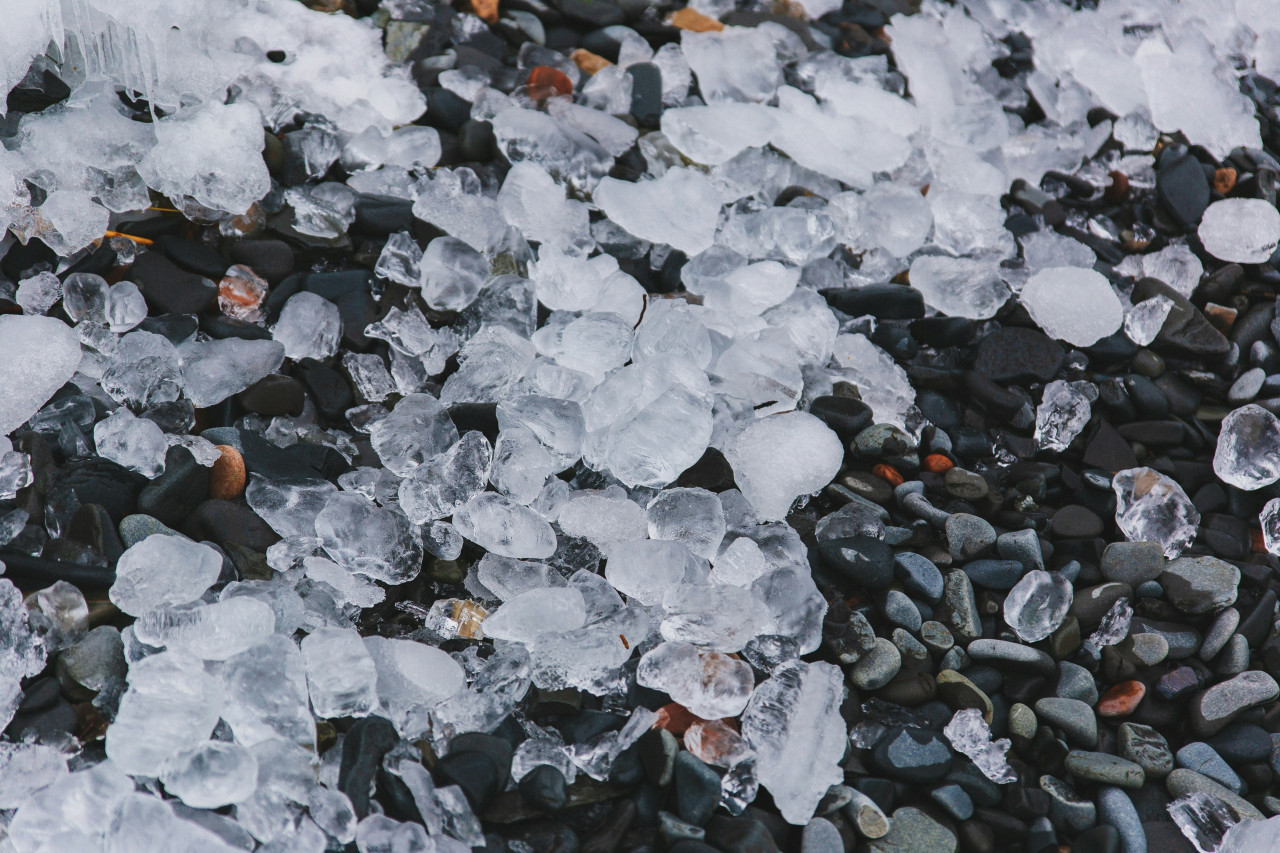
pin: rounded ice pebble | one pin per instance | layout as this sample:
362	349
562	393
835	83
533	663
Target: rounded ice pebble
498	524
37	356
163	569
779	458
1240	230
212	775
710	684
309	327
960	287
1248	453
1073	304
1037	604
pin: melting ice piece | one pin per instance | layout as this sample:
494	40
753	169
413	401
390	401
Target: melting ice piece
1073	304
131	442
694	517
162	570
214	631
26	768
1037	604
960	287
1240	230
1063	412
437	488
1248	453
538	611
341	676
1145	320
882	381
289	507
1207	821
412	674
368	539
211	775
172	704
1152	507
679	209
793	722
736	64
452	274
1252	836
499	524
22	652
645	569
1113	628
309	327
710	684
970	735
718	132
779	458
214	370
38	355
418	428
1269	519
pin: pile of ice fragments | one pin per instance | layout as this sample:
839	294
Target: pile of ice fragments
742	427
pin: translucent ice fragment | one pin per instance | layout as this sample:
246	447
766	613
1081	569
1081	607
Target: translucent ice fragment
691	516
782	457
710	684
960	287
1113	628
452	274
162	570
1153	507
1240	230
1248	452
538	611
37	357
645	570
341	676
369	539
1062	414
172	704
211	775
679	209
417	429
309	327
210	155
1037	604
970	735
1073	304
131	442
1145	320
443	483
214	370
499	524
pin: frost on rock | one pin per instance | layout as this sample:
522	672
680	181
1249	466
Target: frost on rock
1248	452
782	457
793	723
970	735
1152	507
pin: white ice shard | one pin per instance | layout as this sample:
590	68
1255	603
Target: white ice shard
1153	507
1248	451
214	370
1242	230
25	768
341	676
442	484
782	457
970	735
1073	304
369	539
22	651
131	442
1144	321
1269	520
172	704
1113	628
1037	604
691	516
679	209
38	355
736	64
162	570
211	775
710	684
309	327
718	132
504	527
645	569
1062	415
881	380
960	287
215	631
793	722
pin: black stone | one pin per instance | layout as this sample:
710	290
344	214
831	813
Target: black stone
329	390
882	301
93	526
1016	354
646	93
273	395
1181	186
472	771
845	415
99	481
942	331
697	789
193	257
740	835
363	748
176	493
1186	332
912	755
229	522
271	259
712	472
863	560
169	289
543	787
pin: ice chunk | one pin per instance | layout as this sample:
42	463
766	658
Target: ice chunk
411	675
971	736
214	370
1248	452
211	775
1062	414
1145	320
718	132
346	587
521	465
25	768
531	200
214	631
288	507
309	327
210	156
134	443
162	570
1037	604
443	483
452	274
694	517
266	693
603	521
36	295
416	430
341	676
1207	822
558	424
793	722
968	223
451	200
679	209
1241	230
645	570
736	64
1176	265
1269	520
750	289
399	260
499	524
22	651
960	287
900	218
538	611
882	382
555	143
848	148
368	539
490	365
1073	304
1153	507
1113	628
38	355
723	618
1044	249
172	704
782	457
710	684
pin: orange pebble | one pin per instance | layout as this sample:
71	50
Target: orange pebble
589	62
888	473
1121	700
226	480
486	10
1259	543
694	21
937	463
1224	180
675	718
545	81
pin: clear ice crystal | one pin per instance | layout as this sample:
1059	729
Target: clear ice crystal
131	442
969	734
504	527
1153	507
679	209
1207	821
163	570
37	357
1113	628
22	651
1063	413
368	539
1073	304
1248	452
341	676
1144	321
782	457
211	775
710	684
442	484
309	327
1037	604
1269	520
171	705
960	287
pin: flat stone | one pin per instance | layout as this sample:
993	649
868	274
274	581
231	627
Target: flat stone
1147	748
176	493
965	485
1242	743
274	395
968	536
1181	187
958	609
918	575
913	831
913	755
1076	682
1005	654
1092	603
168	289
936	637
866	814
1074	717
1212	710
1105	769
995	574
135	528
959	693
1181	782
820	836
1116	810
1198	585
697	789
1216	638
954	801
863	560
230	522
1132	563
900	610
877	667
1023	546
882	301
543	787
845	415
1178	682
1018	354
366	743
1203	759
1066	807
1122	699
1022	721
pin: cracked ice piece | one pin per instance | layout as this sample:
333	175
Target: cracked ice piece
214	370
211	775
38	355
779	458
1113	628
443	483
504	527
691	516
679	209
537	611
309	327
710	684
214	631
368	539
1152	507
1269	519
162	570
1062	414
1145	320
417	429
1248	453
1037	604
171	704
131	442
960	287
1206	821
969	734
1073	304
793	722
1240	230
22	652
341	676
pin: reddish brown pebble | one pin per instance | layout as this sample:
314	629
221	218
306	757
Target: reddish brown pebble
693	21
1117	188
226	480
888	473
675	718
1121	700
1259	544
937	463
545	82
1224	180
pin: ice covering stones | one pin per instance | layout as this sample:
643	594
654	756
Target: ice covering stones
1072	304
1152	507
37	357
781	457
793	723
1248	452
1242	230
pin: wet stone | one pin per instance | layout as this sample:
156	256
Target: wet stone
1197	585
918	575
1074	717
1017	354
1132	563
1104	769
913	755
1213	709
860	559
968	536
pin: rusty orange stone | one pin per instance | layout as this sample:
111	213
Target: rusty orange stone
937	463
226	480
1121	700
1259	544
545	82
1224	180
888	473
487	10
675	718
589	62
1117	187
694	21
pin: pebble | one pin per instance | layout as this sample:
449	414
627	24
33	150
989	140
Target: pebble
968	536
1018	354
863	560
1213	709
1067	808
877	667
544	787
1003	653
959	693
1199	585
1076	522
821	836
995	574
1074	717
697	789
1216	638
965	485
954	801
1076	682
1203	759
900	610
913	755
918	576
1180	782
1122	699
958	609
1116	809
1147	748
1132	563
866	815
913	831
227	477
1105	769
92	663
1023	546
